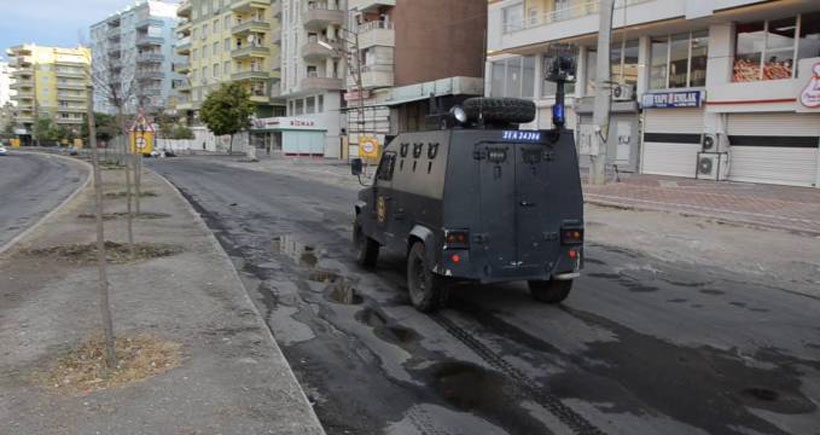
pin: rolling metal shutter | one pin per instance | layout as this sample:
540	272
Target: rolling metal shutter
774	148
672	141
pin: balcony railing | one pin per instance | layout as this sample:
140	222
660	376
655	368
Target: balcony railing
184	9
250	51
575	9
70	96
255	26
319	15
321	83
369	5
149	75
149	40
250	74
247	5
376	33
147	22
184	45
314	50
150	58
69	72
71	85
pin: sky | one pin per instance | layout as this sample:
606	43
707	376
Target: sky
51	22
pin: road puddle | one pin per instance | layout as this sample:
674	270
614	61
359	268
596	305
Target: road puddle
468	386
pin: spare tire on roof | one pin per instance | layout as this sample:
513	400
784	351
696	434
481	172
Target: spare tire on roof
500	110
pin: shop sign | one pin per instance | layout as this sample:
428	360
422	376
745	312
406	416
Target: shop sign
672	100
808	86
286	123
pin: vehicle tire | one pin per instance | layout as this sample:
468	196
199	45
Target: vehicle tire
512	110
427	290
367	249
550	292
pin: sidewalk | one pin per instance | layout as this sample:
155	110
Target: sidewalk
232	377
780	207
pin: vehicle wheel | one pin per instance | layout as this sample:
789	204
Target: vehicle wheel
367	249
550	292
512	110
427	290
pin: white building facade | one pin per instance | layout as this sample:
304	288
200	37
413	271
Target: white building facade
716	89
134	50
313	70
5	83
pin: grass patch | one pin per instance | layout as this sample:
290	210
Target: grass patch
123	194
123	214
83	370
116	253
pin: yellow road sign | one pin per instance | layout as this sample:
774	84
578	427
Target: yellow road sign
369	148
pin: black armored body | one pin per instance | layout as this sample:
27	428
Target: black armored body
479	200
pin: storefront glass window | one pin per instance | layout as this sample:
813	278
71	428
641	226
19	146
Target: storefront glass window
528	77
311	105
658	70
679	60
299	107
751	40
513	79
809	42
497	81
779	61
700	55
615	62
630	65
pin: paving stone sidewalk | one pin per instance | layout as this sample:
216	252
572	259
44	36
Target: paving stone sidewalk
781	207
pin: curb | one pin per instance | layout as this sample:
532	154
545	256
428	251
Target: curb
695	213
209	234
59	206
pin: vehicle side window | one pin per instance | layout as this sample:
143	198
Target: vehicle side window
386	167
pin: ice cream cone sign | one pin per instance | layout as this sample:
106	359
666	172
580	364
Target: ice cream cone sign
810	97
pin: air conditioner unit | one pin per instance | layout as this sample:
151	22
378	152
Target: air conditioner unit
712	166
714	143
623	93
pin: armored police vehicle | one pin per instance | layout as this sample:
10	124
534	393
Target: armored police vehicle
479	200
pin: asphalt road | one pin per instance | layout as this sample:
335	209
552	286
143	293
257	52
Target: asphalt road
31	185
640	346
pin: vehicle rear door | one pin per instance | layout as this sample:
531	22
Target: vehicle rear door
497	198
537	215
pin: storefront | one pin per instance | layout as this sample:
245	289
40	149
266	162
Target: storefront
290	136
673	127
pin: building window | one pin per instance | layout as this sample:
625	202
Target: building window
205	31
320	103
290	107
226	68
624	62
513	77
679	61
194	54
215	48
195	33
216	70
216	26
299	107
227	22
310	105
227	46
769	50
513	18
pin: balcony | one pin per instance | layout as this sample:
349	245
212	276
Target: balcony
22	84
250	74
71	85
250	52
250	26
317	16
182	68
25	118
78	108
250	5
71	96
185	9
25	95
321	83
145	40
70	120
183	47
148	22
313	51
260	98
184	88
377	76
376	33
113	32
184	28
149	75
150	58
72	72
369	5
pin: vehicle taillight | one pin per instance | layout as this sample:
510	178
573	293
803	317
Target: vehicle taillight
572	236
456	239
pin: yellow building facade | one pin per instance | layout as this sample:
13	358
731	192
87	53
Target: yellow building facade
230	41
50	82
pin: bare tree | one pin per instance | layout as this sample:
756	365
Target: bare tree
115	82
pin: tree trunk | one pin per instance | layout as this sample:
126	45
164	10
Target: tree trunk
129	216
230	146
108	325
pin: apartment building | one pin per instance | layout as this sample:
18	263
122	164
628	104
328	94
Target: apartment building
407	56
5	83
722	89
133	50
230	41
50	82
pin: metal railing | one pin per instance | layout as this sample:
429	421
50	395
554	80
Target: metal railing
575	10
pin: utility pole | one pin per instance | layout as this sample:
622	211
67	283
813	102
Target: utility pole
603	94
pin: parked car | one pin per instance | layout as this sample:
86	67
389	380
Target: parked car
479	201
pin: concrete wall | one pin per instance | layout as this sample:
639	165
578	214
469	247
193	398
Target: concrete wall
436	39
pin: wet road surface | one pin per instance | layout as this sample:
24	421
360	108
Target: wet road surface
640	346
31	185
